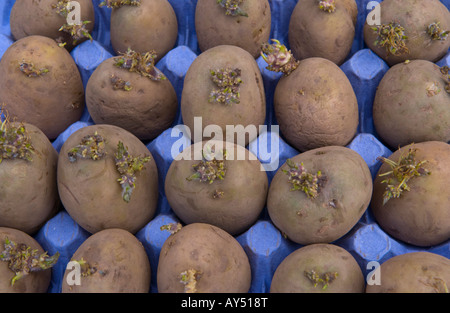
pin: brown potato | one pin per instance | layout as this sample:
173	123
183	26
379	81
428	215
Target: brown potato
420	216
30	17
411	105
152	25
34	282
90	189
337	195
214	27
316	106
111	261
318	268
146	110
314	32
248	111
41	85
233	203
413	272
412	19
29	194
205	259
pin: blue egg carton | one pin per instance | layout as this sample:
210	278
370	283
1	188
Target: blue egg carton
263	242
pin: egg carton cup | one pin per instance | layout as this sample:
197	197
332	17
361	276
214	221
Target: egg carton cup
264	244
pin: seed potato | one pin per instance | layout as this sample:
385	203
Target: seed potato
232	202
243	103
315	106
94	192
34	282
413	272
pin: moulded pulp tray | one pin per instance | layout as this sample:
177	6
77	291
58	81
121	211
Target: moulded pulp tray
263	243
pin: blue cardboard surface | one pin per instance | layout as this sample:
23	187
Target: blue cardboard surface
263	243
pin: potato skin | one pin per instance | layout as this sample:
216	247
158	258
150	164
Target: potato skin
52	101
316	33
122	265
413	272
214	28
146	110
251	111
420	216
337	208
414	16
29	193
131	25
90	191
36	282
244	191
407	109
290	276
316	106
30	17
223	264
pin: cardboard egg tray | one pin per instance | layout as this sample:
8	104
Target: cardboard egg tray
263	242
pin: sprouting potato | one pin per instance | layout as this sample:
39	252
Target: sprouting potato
40	84
410	195
109	261
410	30
107	178
323	29
28	162
319	195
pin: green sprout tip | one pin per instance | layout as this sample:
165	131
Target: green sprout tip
91	147
128	166
172	228
228	80
278	58
445	70
120	84
142	64
327	5
392	37
23	260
